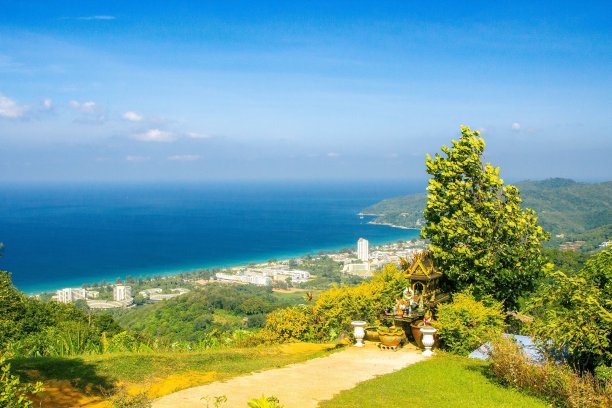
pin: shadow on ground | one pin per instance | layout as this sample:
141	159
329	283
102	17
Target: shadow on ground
68	381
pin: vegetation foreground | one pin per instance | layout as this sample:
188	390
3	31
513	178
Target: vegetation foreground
89	381
493	269
443	381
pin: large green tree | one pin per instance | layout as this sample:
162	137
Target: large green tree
479	235
12	308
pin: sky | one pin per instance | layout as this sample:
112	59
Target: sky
356	90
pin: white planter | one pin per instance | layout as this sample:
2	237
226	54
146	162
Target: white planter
428	340
359	332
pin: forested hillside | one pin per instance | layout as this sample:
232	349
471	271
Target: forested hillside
204	313
570	210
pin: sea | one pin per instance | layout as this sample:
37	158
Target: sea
61	235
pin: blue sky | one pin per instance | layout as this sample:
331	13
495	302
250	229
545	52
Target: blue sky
309	90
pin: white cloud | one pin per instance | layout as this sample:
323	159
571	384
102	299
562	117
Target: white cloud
88	18
85	107
132	116
184	157
155	135
47	104
136	158
10	109
333	154
516	126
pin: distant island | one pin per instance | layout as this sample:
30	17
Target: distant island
578	215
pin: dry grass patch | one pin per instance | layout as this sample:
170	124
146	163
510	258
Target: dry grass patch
89	380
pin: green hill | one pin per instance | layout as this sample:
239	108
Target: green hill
571	211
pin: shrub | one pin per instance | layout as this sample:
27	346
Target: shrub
125	400
466	323
14	394
337	307
264	402
390	331
603	372
31	327
217	401
286	325
574	314
556	382
123	342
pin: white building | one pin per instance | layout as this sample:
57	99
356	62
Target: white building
363	250
122	293
361	269
252	278
69	295
296	275
149	292
258	280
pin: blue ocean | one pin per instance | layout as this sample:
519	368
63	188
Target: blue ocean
68	235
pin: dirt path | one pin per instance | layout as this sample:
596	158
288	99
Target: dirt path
300	385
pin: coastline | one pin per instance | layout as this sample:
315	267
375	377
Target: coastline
230	264
374	222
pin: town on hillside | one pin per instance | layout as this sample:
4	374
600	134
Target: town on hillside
361	262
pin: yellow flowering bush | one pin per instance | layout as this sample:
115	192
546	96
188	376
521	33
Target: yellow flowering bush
466	323
289	324
335	308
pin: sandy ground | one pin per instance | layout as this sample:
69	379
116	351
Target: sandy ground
290	290
300	385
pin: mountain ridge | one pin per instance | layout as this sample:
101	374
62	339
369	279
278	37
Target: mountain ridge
569	210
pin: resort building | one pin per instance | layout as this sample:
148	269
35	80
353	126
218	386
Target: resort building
281	273
149	292
122	293
252	278
363	250
69	295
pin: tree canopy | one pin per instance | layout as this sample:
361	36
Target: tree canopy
575	313
480	237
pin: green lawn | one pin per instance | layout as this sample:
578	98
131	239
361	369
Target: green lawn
443	381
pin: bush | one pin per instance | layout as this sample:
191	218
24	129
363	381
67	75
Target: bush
287	325
603	372
14	394
122	342
30	327
125	400
574	314
556	382
337	307
465	323
264	402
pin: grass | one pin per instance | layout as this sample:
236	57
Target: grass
443	381
295	298
88	380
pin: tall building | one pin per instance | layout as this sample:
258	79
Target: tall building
69	295
122	293
363	250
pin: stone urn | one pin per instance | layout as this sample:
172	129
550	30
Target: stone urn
359	332
428	339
